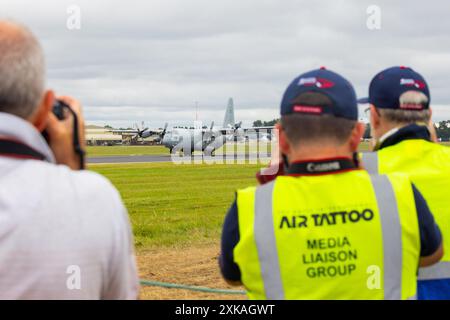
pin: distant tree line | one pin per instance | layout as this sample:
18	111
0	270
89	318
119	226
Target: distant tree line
259	123
111	127
443	130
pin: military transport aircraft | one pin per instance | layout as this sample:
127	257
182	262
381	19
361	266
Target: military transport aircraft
207	140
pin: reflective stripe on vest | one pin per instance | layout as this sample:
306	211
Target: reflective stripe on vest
390	225
370	162
392	237
266	243
440	270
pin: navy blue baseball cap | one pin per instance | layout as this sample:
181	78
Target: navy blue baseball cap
388	86
335	87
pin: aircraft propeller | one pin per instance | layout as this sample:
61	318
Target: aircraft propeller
139	131
163	133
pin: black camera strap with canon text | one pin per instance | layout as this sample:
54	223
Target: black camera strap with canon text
322	166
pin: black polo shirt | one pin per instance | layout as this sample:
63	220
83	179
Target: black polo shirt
430	236
410	132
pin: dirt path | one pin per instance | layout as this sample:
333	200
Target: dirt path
190	266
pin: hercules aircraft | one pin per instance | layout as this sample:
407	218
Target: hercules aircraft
188	140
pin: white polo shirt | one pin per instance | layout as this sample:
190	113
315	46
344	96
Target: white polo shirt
64	234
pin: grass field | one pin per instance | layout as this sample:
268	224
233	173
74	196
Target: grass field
100	151
177	204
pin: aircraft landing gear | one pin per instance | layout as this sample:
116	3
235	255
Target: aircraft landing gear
209	152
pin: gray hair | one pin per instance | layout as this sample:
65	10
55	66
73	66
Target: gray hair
407	116
22	70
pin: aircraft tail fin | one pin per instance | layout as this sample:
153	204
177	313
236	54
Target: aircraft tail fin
229	114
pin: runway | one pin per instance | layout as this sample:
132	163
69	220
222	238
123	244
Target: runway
168	158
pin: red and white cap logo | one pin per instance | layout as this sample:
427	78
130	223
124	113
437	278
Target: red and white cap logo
317	82
412	83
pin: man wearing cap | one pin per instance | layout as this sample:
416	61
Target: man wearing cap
327	229
400	118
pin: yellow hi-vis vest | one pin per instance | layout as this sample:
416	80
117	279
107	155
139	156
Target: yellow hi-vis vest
428	165
336	236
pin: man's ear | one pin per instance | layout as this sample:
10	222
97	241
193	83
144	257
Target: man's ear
40	117
432	129
356	136
283	142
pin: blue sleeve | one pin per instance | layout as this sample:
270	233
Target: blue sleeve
230	238
430	235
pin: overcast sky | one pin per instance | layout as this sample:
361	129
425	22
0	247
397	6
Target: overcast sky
151	60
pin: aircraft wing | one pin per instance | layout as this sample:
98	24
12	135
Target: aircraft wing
153	132
224	131
258	128
130	131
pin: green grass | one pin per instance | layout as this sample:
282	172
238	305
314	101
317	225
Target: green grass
364	146
101	151
173	205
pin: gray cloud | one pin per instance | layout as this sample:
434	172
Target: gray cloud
150	60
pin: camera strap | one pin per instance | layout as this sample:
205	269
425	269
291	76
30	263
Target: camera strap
15	149
323	166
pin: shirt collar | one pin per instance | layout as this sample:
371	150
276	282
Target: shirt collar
409	132
17	128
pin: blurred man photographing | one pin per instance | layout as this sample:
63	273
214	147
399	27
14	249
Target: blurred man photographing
327	229
400	118
64	233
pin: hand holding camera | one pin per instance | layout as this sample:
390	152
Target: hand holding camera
65	132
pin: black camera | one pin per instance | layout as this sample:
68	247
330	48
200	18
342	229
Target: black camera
59	112
58	109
